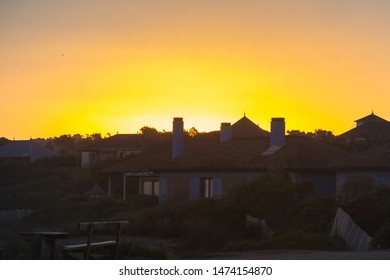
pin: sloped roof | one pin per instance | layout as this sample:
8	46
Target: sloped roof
121	142
25	148
371	118
368	130
377	157
237	154
245	128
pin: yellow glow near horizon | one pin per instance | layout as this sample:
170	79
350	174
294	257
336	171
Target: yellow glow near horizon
131	64
122	96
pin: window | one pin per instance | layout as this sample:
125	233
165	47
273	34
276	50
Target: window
151	188
206	187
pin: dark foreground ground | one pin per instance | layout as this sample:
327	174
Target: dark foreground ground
303	255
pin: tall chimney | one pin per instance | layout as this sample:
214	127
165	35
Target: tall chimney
226	132
278	135
177	138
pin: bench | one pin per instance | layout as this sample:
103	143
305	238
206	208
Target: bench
91	243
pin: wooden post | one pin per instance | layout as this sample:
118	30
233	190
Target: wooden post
87	252
118	236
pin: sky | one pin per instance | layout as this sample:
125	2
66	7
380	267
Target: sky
114	66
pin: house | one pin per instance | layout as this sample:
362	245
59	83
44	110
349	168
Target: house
369	119
26	151
371	166
211	165
368	128
119	146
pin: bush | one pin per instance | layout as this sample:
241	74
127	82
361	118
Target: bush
315	215
140	201
371	211
359	185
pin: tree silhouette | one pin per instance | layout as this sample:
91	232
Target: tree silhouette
192	132
296	132
95	136
3	140
65	144
149	131
318	134
324	135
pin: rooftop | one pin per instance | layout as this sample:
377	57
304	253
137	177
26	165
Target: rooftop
245	128
370	118
368	130
377	157
24	149
208	154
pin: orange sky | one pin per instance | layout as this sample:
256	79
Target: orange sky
83	66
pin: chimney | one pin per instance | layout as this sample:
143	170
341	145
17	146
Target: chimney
177	138
226	132
278	135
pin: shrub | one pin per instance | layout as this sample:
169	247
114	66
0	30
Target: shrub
371	211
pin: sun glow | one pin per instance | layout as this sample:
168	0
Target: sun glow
134	64
163	89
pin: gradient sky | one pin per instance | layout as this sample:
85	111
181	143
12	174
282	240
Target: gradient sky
80	66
